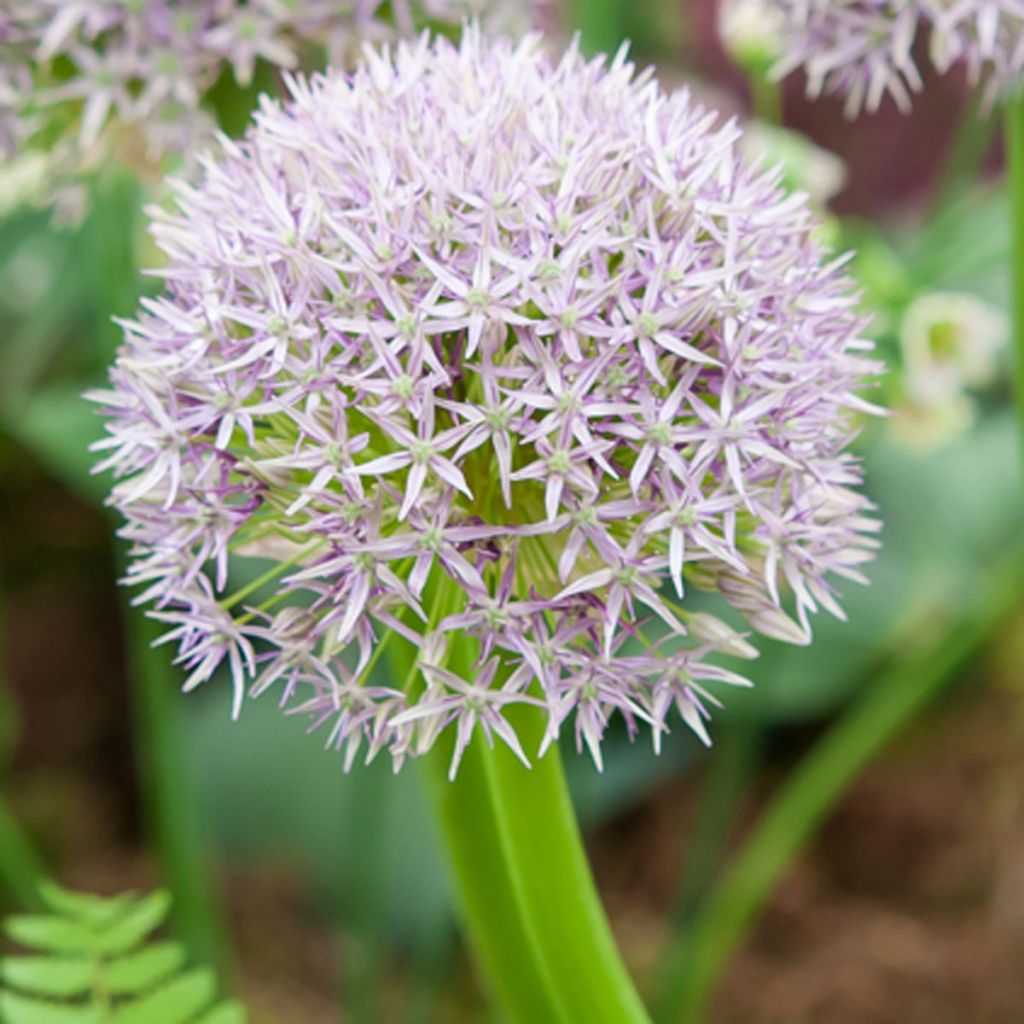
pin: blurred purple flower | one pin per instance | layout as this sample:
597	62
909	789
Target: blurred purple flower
70	70
863	49
489	354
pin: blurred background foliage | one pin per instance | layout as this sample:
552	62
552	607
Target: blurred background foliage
323	895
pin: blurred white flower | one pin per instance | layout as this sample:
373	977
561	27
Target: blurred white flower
751	31
925	425
808	168
950	341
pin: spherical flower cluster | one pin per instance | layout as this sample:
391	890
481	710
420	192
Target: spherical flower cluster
485	362
864	49
75	74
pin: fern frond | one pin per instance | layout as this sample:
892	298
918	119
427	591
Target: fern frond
93	961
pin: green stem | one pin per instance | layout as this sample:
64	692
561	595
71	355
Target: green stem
697	959
765	96
523	883
527	896
972	141
364	933
732	764
1015	184
20	868
599	23
170	792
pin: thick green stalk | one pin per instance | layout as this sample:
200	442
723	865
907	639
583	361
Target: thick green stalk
695	963
525	889
1015	185
523	884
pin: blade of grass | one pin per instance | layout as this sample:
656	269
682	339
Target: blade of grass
1015	186
170	793
20	867
971	142
733	762
365	950
696	960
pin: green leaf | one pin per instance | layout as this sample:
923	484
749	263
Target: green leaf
225	1013
139	971
135	924
51	934
176	1003
84	907
48	975
58	426
142	982
697	956
15	1009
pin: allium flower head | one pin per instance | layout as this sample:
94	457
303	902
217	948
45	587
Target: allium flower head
78	73
475	352
863	49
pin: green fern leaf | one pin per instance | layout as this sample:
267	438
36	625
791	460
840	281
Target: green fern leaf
51	934
48	975
96	967
93	910
131	928
176	1003
225	1013
142	970
17	1009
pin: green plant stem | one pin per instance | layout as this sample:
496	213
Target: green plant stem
599	23
1015	184
523	884
170	792
972	141
765	96
695	962
732	764
525	889
20	867
364	952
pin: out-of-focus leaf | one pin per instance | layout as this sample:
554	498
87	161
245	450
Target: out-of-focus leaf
48	975
50	934
131	928
175	1003
58	425
17	1009
226	1013
139	971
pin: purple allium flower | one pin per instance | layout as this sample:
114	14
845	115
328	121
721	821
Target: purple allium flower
495	361
863	49
89	76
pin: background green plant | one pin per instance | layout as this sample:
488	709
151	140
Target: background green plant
362	845
94	961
